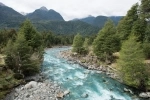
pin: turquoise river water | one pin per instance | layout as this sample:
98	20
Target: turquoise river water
82	83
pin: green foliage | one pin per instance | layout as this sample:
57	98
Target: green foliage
131	63
146	49
86	44
34	39
106	42
7	81
50	39
145	9
125	25
139	28
5	35
147	33
66	28
77	44
25	53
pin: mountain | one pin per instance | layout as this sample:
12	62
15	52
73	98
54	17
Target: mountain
1	4
44	14
88	19
63	27
9	17
99	21
50	20
23	13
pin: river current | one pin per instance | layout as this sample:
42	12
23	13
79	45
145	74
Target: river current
82	83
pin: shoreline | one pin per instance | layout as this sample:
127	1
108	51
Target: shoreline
90	63
37	87
106	69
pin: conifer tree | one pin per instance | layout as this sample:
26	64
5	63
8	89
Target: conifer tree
106	42
125	25
86	46
77	43
131	63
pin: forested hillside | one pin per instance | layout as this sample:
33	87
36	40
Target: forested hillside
10	18
70	27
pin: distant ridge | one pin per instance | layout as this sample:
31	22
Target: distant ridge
99	21
50	20
43	14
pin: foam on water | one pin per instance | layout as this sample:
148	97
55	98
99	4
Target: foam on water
79	80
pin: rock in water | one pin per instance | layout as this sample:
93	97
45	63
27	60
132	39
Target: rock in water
66	92
84	95
144	95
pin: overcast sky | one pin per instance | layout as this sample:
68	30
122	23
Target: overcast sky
71	9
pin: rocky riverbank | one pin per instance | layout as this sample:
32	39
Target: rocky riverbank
37	89
90	62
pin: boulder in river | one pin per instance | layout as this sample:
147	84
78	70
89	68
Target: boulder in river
66	92
144	95
128	90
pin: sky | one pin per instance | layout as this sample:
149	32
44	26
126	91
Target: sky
70	9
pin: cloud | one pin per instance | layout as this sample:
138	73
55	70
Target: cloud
70	9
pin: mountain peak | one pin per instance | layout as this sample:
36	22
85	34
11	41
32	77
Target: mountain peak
1	4
44	8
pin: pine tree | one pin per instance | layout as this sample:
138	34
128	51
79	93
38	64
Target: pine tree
106	42
31	35
139	29
145	9
131	63
77	44
125	25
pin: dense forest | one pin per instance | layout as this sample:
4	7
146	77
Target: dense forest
130	39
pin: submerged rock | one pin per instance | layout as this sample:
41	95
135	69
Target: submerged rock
84	95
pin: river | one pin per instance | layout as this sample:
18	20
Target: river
83	84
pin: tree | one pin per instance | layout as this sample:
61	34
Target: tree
24	55
31	35
77	43
139	29
145	9
131	63
106	42
86	44
125	25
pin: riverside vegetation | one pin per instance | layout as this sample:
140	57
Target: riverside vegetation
130	40
23	49
21	53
